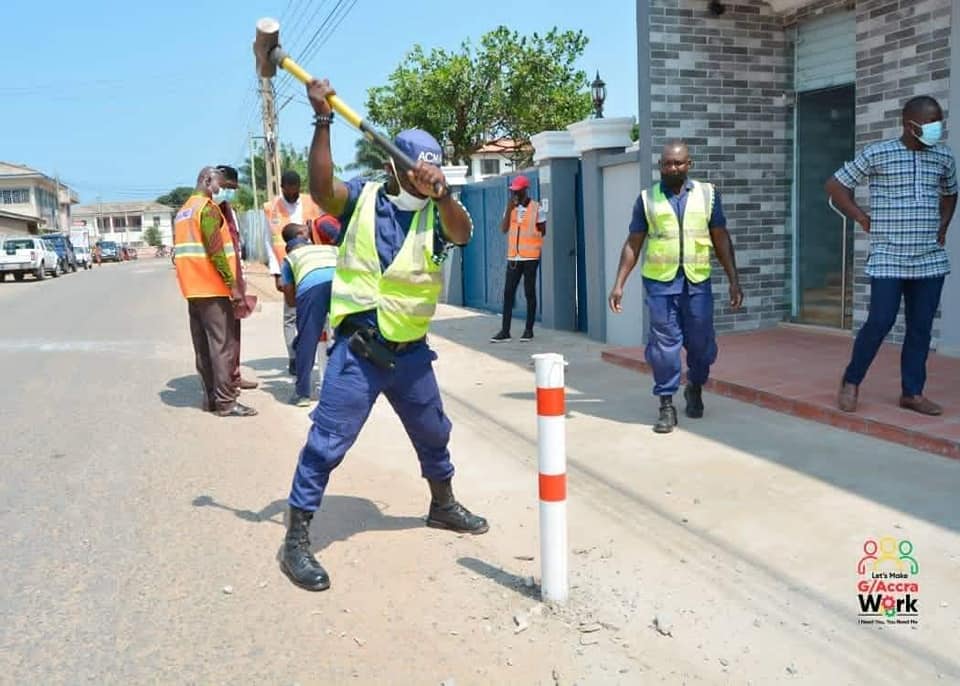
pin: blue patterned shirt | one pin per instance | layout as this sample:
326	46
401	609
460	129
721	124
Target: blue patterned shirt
905	190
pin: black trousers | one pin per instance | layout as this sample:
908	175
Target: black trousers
216	344
527	269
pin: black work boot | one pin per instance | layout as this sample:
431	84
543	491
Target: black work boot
693	394
447	513
667	420
296	561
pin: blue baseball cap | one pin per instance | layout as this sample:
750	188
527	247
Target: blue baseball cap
420	145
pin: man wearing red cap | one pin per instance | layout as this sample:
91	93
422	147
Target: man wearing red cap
525	224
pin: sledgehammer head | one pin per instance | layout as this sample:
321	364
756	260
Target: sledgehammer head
266	47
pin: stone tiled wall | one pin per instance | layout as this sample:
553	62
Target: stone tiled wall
903	50
720	83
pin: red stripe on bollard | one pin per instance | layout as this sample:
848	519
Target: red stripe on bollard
553	487
551	402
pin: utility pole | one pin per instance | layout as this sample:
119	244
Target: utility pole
271	156
56	205
253	172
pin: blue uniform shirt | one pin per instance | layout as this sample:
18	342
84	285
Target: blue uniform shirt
391	227
309	280
678	202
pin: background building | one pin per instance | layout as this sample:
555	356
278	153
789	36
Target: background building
31	201
125	222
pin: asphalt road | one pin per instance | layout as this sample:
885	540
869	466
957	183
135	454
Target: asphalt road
138	534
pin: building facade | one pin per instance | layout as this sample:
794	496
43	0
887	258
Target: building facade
38	201
493	159
773	97
125	222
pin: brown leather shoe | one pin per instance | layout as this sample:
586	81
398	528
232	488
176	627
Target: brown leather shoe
847	397
248	385
918	403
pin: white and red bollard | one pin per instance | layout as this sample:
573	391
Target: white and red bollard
552	448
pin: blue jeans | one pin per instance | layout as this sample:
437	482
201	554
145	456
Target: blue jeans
312	308
921	298
682	320
351	386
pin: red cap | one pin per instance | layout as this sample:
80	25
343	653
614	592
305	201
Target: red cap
519	183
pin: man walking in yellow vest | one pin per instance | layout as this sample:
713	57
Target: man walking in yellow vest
205	272
525	223
679	220
385	292
287	208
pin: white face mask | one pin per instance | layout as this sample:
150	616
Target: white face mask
406	201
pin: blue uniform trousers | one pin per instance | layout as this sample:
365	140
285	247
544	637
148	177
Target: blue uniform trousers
680	320
351	385
312	307
921	298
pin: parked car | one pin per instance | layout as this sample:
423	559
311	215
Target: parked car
84	258
24	255
110	252
64	247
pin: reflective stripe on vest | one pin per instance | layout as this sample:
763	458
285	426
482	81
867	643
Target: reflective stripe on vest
278	217
308	258
406	294
661	252
197	275
523	239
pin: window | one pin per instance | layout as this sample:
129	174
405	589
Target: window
103	223
14	196
135	223
491	167
156	221
119	222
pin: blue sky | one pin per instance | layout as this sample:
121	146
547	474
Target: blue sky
127	100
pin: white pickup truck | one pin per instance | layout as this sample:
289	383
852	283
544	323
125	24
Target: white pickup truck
22	255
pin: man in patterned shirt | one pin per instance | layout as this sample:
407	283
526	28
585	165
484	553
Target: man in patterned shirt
913	194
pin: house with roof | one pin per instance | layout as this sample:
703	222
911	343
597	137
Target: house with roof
32	201
124	222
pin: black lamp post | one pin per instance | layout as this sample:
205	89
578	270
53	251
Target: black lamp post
599	89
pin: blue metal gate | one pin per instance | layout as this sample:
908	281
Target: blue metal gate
484	258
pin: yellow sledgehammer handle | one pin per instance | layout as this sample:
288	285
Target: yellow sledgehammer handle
341	108
285	62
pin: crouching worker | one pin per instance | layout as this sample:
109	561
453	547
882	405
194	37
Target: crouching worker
307	278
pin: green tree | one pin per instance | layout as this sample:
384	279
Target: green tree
176	197
509	86
152	236
367	157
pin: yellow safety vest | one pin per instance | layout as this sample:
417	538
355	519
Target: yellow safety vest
405	295
307	258
661	259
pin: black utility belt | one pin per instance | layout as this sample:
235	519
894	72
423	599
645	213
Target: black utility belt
367	343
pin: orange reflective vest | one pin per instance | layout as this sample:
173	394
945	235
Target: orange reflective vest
523	239
196	273
278	217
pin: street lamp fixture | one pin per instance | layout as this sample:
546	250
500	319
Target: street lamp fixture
599	90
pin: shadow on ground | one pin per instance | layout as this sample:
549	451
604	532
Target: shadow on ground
340	518
599	389
183	391
521	585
